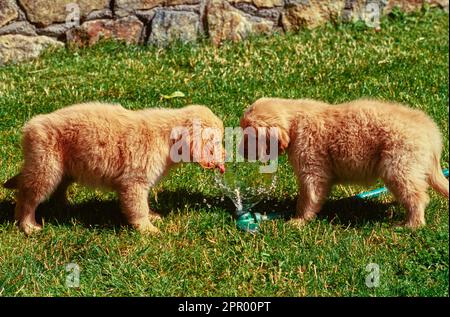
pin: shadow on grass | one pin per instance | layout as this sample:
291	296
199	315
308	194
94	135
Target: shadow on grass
107	214
351	212
102	214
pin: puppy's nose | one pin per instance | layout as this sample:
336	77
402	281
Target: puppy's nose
221	168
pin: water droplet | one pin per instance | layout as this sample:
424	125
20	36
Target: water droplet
244	185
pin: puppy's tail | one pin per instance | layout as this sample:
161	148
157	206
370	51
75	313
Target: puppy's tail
437	179
12	183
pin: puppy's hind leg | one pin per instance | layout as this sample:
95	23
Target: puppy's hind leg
412	193
312	194
36	183
133	199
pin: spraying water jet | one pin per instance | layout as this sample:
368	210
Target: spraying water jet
246	186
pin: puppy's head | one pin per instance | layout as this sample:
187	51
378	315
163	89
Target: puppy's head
206	138
264	119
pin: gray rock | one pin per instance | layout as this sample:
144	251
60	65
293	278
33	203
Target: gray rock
17	48
272	14
247	8
290	3
145	15
190	8
99	14
54	30
124	8
128	7
22	27
168	26
261	3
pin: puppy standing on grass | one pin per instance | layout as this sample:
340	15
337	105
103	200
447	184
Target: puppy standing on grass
103	145
355	142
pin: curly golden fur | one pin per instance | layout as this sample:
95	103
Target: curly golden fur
355	142
101	145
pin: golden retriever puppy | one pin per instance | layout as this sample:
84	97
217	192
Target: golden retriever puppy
108	146
354	142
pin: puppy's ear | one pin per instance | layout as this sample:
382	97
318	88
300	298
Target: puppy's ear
283	140
179	147
196	145
277	140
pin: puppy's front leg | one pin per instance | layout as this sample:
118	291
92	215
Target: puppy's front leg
312	194
133	200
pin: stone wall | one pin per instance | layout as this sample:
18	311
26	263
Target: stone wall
29	26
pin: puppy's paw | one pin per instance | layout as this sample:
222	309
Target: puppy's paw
30	228
297	223
148	228
402	225
154	217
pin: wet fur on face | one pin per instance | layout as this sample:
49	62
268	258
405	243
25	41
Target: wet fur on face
355	142
101	145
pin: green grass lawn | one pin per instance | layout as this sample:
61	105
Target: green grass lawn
200	252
